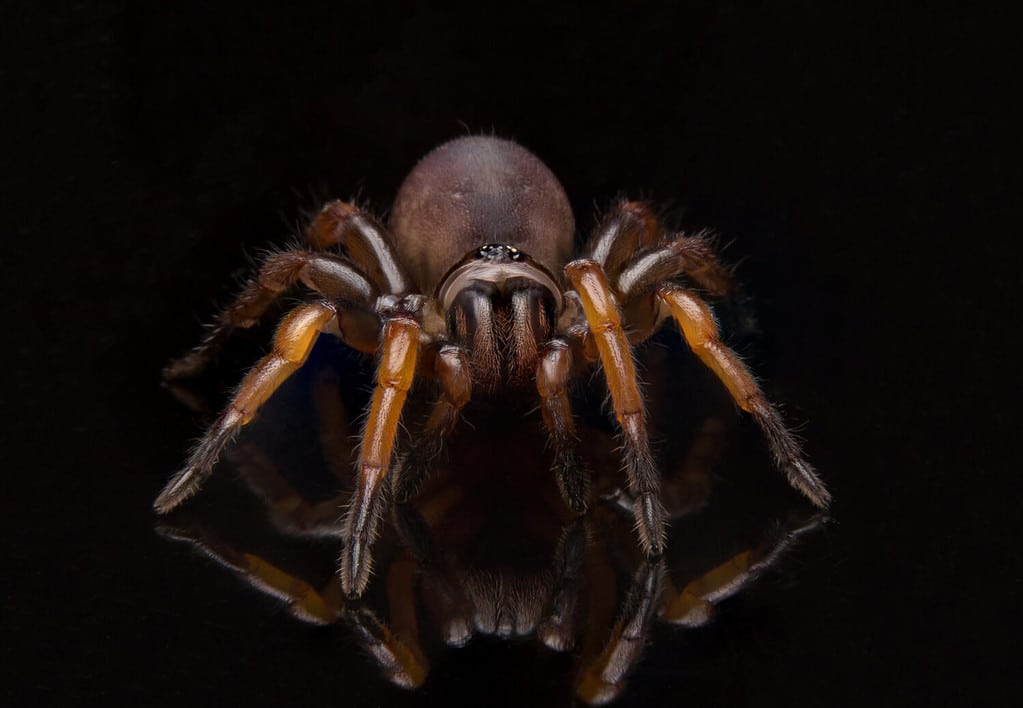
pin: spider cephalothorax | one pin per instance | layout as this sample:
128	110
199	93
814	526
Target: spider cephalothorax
474	285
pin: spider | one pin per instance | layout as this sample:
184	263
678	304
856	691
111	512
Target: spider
475	285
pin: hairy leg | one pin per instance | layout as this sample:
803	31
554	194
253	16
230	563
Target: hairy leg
325	274
690	255
363	239
605	324
552	376
701	332
292	344
628	228
399	352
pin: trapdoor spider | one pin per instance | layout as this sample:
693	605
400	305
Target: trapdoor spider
474	285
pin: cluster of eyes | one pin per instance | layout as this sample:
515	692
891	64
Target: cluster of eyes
513	253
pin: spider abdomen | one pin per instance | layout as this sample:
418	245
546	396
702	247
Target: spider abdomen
475	191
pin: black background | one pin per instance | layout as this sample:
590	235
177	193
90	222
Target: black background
855	160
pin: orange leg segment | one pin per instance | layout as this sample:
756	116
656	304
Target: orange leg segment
604	319
701	332
400	348
293	342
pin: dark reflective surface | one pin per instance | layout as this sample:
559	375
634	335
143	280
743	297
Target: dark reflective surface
488	549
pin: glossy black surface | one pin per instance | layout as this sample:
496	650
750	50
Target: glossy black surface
853	162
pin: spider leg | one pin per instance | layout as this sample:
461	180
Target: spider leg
364	241
290	510
603	678
398	649
400	657
399	352
557	630
687	487
695	604
444	597
293	342
452	371
601	310
690	255
552	376
701	332
322	273
305	601
629	227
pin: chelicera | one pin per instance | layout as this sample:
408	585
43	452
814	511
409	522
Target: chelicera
474	284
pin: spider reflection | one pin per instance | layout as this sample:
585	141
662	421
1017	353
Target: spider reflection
489	547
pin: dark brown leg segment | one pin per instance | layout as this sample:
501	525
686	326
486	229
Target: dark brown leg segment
629	227
602	314
452	371
402	661
322	273
692	255
363	239
294	340
701	332
552	376
558	629
399	352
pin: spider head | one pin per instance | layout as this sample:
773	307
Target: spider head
501	306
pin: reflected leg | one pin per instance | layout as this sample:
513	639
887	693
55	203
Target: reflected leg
603	678
695	604
304	601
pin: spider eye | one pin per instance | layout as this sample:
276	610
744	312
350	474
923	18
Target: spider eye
500	252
